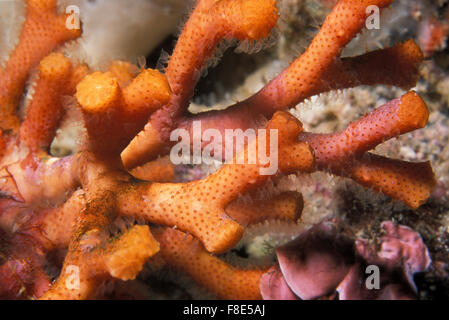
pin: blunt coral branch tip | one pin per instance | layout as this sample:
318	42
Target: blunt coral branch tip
409	182
209	24
146	93
159	170
397	117
120	259
45	110
396	66
301	78
183	252
413	113
131	252
97	93
344	153
55	65
108	107
123	71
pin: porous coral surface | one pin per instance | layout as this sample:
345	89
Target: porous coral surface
116	214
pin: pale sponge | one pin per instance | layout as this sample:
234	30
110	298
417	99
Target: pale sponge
118	30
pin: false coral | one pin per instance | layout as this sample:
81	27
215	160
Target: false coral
43	31
74	203
185	253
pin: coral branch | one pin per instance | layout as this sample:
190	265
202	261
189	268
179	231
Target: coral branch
123	71
56	79
343	153
89	211
299	80
338	152
409	182
318	70
121	259
183	252
397	117
199	206
396	66
114	115
285	206
209	24
43	31
159	170
94	256
55	225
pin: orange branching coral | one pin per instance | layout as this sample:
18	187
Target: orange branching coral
184	253
344	153
318	70
161	170
57	78
211	22
396	117
94	255
123	71
408	182
122	258
400	70
345	21
42	32
199	206
285	206
73	204
114	115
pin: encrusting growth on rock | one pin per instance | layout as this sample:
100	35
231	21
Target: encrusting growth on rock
75	204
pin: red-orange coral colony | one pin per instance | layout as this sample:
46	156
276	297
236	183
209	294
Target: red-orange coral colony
69	205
